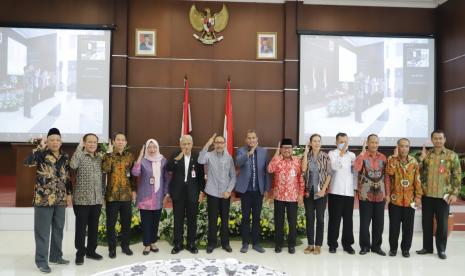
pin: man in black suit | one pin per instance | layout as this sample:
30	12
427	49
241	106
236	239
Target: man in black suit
186	183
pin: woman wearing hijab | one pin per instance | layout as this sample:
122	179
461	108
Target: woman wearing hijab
151	191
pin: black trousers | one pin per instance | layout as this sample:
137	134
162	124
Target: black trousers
185	207
400	215
340	207
150	219
87	218
438	208
315	208
371	212
218	206
125	214
251	202
280	208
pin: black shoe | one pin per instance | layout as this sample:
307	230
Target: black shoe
45	269
393	253
227	248
94	256
176	249
379	252
332	250
112	253
145	252
192	249
244	248
210	249
349	250
364	251
278	249
442	255
291	250
405	254
154	249
258	248
79	260
424	252
60	261
127	251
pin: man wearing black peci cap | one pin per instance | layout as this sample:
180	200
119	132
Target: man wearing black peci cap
288	190
52	193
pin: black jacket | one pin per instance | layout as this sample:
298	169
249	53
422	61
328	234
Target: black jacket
193	186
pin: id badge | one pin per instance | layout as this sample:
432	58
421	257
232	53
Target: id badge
193	173
152	181
293	173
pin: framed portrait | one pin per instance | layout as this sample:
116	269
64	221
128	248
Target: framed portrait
266	45
146	42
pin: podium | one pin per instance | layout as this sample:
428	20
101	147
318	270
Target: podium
25	176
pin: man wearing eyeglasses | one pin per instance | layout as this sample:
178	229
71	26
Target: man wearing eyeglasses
220	183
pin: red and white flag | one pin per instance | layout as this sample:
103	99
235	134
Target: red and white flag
228	122
186	126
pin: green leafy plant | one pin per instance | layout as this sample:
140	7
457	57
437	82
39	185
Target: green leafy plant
235	217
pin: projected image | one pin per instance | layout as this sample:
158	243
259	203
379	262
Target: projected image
53	78
364	85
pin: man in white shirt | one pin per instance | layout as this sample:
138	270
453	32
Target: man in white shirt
341	195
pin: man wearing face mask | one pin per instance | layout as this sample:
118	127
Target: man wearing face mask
341	195
220	183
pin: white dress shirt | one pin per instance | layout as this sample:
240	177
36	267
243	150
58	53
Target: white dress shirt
342	180
186	166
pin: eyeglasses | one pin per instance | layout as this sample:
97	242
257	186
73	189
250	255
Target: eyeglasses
217	142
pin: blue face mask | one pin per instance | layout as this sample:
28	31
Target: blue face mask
341	146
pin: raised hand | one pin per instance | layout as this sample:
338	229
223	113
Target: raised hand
141	154
396	151
423	153
81	142
307	149
252	150
110	146
210	141
364	147
180	155
43	143
277	149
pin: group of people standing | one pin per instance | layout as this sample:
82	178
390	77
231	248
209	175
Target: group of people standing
316	180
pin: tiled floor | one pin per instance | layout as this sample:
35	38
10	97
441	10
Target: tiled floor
17	258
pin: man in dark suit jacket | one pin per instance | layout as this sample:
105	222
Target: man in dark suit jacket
252	183
186	183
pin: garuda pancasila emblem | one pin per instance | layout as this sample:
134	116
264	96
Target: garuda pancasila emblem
207	24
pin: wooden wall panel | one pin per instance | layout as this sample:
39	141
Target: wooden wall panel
366	19
451	68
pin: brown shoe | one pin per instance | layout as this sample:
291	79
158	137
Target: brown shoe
309	249
317	250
